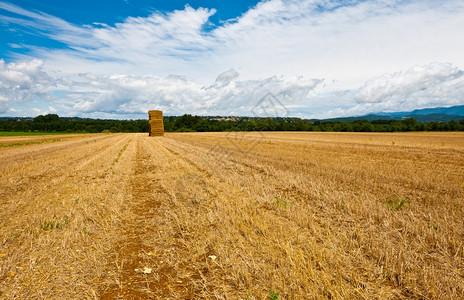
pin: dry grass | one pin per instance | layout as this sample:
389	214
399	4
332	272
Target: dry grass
15	141
234	216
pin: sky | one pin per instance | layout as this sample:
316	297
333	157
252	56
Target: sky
279	58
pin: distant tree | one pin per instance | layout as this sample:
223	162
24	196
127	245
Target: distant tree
409	124
186	121
202	126
47	118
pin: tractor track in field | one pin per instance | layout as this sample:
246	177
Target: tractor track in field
133	259
151	255
147	246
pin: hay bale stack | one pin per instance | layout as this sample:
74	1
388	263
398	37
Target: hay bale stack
156	122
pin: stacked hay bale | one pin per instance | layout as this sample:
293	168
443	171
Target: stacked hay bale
156	122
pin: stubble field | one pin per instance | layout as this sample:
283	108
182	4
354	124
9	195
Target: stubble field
232	216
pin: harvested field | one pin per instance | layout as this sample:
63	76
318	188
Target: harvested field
13	141
233	216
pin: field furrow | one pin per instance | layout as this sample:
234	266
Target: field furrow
234	216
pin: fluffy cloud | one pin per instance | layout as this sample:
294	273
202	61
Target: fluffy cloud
175	34
133	95
161	43
433	85
437	80
344	40
342	43
436	84
23	81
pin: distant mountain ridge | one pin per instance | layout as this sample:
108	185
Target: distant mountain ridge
425	115
453	110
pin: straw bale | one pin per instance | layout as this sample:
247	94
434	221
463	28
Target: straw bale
156	133
156	123
155	114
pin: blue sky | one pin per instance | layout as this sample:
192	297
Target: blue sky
105	12
319	58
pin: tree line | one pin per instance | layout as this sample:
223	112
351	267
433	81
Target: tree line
189	123
53	123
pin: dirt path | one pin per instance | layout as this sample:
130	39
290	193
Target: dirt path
152	254
134	259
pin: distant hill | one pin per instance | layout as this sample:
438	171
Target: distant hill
437	114
453	110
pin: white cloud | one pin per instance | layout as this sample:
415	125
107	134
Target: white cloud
437	83
23	81
162	43
349	41
344	44
133	95
433	85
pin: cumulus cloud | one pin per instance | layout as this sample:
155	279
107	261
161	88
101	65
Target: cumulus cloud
436	84
437	80
343	44
23	81
432	85
347	40
178	33
132	95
